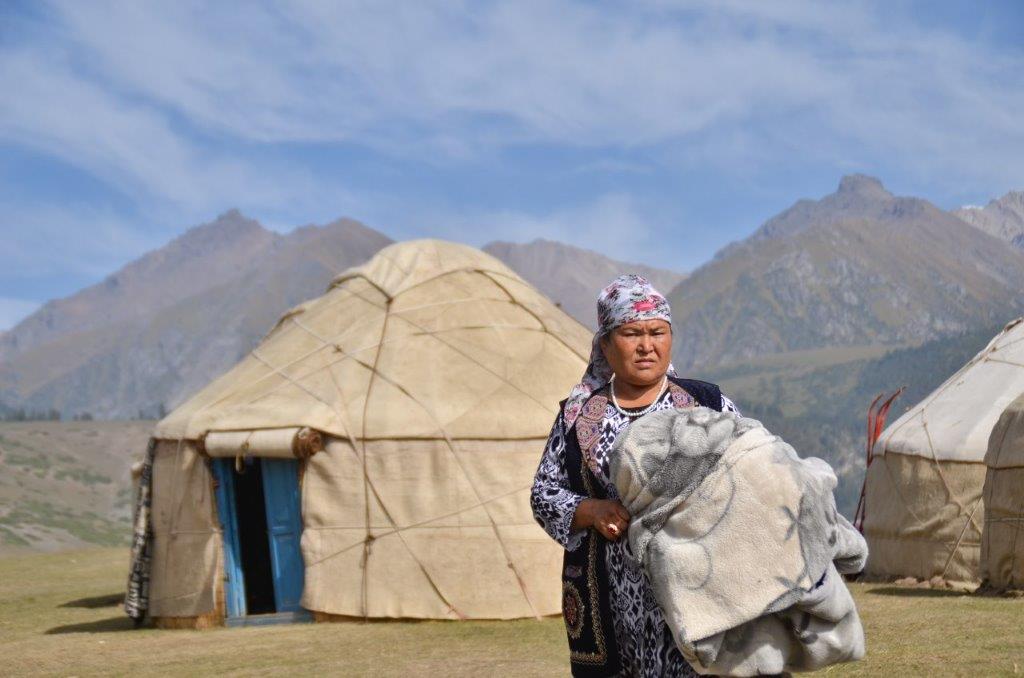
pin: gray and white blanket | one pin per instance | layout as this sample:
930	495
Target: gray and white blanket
741	541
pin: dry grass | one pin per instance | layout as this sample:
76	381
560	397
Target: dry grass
60	615
66	484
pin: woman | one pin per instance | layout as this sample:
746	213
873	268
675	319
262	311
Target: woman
612	620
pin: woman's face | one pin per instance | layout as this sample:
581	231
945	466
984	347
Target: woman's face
639	352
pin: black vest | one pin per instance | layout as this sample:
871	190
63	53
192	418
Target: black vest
586	608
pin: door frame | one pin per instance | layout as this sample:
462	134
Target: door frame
236	611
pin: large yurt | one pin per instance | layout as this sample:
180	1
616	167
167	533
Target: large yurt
924	511
371	458
1002	540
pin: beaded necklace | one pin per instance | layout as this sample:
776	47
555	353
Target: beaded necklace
637	413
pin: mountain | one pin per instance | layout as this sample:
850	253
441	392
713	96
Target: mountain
858	268
152	333
138	343
199	260
572	276
1003	218
858	196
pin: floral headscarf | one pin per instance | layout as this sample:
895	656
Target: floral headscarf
627	299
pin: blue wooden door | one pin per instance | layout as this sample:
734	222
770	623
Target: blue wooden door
234	577
284	529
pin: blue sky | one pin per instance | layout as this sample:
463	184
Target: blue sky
650	131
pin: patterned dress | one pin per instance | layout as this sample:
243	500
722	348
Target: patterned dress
646	647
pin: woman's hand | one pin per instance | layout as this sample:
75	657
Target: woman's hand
607	516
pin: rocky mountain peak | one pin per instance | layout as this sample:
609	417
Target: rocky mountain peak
863	185
857	197
201	258
227	228
1003	217
1014	200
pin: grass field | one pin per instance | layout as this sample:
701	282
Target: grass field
67	484
60	615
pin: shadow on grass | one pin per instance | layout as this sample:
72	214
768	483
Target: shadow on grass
111	625
109	600
907	592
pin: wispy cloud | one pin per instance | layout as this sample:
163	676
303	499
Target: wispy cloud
453	78
132	146
44	240
186	108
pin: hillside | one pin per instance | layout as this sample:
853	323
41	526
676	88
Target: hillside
818	400
197	261
856	269
572	276
67	484
141	341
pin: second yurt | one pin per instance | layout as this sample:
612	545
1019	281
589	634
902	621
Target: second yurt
924	508
1002	540
370	458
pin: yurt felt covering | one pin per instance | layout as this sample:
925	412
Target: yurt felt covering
434	373
924	505
1002	544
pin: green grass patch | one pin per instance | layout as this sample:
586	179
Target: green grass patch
28	461
83	476
125	497
9	536
60	615
85	525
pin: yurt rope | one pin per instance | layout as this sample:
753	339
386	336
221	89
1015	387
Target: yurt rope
959	539
411	526
369	486
1020	508
938	469
173	514
346	354
516	302
366	479
278	370
984	355
372	367
458	461
1016	533
333	342
992	345
368	538
895	484
1005	362
451	446
950	497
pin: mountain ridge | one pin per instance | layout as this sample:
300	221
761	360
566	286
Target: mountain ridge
1002	217
178	269
859	266
123	355
137	364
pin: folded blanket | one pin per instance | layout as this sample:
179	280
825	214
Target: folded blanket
741	541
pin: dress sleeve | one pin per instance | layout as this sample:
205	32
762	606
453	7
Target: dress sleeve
553	503
729	406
